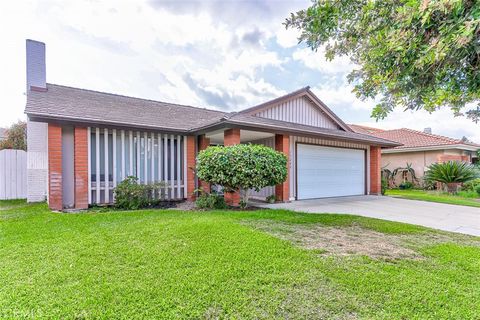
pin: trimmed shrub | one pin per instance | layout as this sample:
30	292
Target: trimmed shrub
131	195
242	167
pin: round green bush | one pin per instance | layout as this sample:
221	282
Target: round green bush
242	166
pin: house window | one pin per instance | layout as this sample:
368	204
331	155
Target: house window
149	156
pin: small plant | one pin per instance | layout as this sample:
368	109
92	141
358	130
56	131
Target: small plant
407	185
210	201
477	189
471	185
271	198
406	173
131	195
384	185
452	173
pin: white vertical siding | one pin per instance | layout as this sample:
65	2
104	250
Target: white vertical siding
13	174
150	156
37	161
300	110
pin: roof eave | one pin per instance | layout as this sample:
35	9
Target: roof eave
433	148
36	117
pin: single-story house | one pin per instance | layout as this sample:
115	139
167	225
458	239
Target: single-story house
420	149
82	143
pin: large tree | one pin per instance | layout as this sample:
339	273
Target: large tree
16	137
414	54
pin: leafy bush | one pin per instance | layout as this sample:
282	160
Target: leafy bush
471	185
406	185
131	195
242	166
477	189
210	201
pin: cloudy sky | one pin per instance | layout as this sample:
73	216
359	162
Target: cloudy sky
218	54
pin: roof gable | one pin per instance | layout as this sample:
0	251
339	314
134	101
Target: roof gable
301	106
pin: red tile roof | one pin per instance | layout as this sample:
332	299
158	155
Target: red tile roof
412	138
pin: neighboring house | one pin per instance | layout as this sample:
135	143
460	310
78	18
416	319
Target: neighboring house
420	149
82	143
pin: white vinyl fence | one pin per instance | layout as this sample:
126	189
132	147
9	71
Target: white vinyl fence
13	174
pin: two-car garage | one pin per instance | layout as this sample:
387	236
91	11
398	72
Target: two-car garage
323	171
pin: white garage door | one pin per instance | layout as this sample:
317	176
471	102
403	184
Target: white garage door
329	172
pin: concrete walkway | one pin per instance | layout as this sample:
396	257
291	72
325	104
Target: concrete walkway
440	216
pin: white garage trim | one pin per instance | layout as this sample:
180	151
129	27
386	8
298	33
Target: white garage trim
345	182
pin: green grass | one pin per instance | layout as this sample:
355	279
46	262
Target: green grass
171	264
462	198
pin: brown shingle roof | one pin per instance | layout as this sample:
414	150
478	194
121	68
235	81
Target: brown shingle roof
412	138
364	129
93	107
67	103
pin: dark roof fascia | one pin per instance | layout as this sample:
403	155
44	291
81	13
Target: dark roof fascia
230	123
104	124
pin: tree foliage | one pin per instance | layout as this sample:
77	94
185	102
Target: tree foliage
414	54
242	167
16	137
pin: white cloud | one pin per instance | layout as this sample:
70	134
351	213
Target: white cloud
316	60
287	38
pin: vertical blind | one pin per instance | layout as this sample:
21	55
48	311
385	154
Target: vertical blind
149	156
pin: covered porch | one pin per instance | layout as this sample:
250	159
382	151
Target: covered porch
332	159
233	136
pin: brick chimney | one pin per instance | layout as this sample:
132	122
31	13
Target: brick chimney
36	69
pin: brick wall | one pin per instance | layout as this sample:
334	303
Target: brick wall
55	167
204	143
375	170
190	167
453	157
231	137
282	143
81	168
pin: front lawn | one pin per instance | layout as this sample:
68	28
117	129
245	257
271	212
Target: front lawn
463	198
230	264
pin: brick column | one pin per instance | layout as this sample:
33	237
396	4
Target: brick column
282	191
190	174
55	201
81	167
204	143
231	137
375	170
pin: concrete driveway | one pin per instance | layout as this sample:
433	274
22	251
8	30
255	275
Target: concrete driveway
440	216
